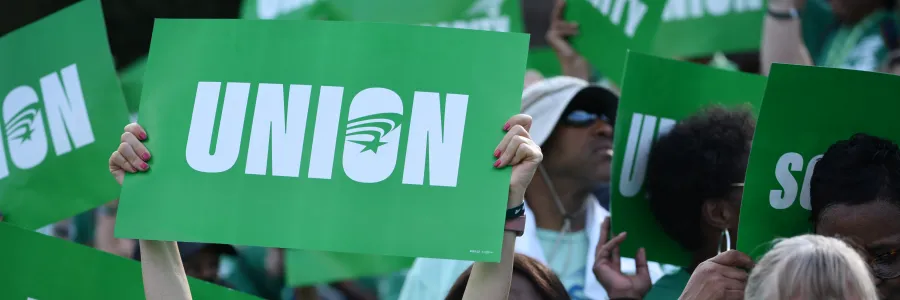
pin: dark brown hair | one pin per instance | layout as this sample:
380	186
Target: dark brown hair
540	276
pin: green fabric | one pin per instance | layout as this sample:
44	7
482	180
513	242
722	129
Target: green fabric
567	256
247	273
669	287
858	47
817	22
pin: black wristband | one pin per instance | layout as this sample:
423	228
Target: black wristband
789	15
515	212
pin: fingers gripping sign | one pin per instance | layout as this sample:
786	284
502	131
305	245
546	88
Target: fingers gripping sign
720	277
516	149
132	155
608	269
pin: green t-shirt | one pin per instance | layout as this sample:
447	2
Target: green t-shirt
858	47
569	260
669	287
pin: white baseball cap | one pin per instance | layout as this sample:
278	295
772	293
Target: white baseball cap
546	100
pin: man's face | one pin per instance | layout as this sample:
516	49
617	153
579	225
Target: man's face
582	145
203	265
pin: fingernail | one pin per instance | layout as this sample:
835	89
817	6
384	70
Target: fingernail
497	153
146	156
143	135
506	127
144	166
497	163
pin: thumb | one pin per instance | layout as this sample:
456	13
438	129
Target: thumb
119	175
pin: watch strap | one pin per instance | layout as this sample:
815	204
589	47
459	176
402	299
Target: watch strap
515	212
516	225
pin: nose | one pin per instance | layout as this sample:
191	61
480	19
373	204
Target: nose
601	128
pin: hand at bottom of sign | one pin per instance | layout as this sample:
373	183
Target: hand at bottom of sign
132	155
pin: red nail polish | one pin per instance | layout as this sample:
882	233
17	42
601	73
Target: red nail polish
506	127
497	153
497	163
146	156
143	136
144	166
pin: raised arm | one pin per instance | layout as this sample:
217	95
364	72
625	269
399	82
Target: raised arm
491	281
164	276
783	36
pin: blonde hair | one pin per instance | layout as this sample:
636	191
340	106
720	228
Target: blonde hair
811	267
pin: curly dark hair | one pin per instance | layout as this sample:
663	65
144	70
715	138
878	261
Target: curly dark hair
697	161
856	171
540	276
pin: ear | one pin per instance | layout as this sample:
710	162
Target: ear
719	214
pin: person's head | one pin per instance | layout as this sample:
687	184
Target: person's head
531	280
572	122
695	176
854	10
810	267
855	193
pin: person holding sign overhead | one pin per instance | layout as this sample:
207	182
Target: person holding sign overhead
859	33
573	125
695	176
855	193
164	275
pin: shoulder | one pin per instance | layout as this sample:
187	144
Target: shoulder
431	278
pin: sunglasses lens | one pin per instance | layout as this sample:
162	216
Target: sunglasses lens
583	118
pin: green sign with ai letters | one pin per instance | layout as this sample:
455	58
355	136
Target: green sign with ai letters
361	137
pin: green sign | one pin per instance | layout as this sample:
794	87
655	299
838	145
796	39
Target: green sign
494	15
352	137
40	267
544	60
132	80
656	93
61	115
692	28
306	267
796	125
609	28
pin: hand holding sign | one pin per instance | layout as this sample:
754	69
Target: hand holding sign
519	151
720	277
572	63
131	156
609	272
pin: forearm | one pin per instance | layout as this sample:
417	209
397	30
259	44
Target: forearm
782	41
164	277
491	280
